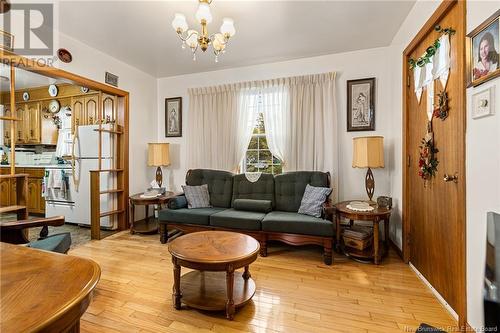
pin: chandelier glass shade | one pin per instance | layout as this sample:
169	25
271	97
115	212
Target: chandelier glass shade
194	39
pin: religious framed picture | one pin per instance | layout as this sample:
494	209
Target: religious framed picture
173	117
361	105
483	47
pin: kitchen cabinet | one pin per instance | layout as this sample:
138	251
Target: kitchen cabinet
85	110
36	203
28	129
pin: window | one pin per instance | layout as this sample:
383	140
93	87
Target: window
258	157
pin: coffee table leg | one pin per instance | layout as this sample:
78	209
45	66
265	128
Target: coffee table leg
176	295
230	309
246	273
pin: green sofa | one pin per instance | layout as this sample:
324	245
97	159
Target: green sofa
235	208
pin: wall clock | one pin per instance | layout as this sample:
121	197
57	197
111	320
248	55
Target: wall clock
26	96
53	90
54	106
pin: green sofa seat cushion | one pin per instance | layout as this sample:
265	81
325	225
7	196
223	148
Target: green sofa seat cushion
250	205
59	243
200	216
237	219
295	223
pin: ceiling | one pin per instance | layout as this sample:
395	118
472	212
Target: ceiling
140	32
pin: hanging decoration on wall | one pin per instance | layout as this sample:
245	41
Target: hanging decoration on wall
442	108
433	65
427	162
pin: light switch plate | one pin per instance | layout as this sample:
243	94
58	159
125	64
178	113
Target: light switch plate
483	103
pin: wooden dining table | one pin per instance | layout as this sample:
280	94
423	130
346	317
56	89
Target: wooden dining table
43	291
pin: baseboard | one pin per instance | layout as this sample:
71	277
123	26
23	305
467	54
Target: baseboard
396	248
436	293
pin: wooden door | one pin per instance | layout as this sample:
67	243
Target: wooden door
77	113
20	125
33	202
92	109
7	124
5	192
434	213
33	123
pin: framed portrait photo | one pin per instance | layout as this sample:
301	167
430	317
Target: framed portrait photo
483	47
173	117
361	105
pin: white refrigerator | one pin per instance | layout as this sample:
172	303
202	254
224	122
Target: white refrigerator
86	157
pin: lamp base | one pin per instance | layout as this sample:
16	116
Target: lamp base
159	176
369	184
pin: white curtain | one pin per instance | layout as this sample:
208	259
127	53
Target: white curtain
219	127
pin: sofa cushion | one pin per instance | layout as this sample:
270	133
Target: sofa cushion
199	216
295	223
262	189
290	187
197	196
237	219
220	185
250	205
313	200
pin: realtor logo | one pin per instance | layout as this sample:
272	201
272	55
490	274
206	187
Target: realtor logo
33	28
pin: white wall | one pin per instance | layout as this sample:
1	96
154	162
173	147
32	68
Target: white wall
92	63
483	178
352	65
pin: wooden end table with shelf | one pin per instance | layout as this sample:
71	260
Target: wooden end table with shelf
147	225
379	249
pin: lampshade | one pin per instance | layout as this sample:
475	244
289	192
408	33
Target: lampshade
218	42
227	27
368	152
192	40
179	23
203	13
158	154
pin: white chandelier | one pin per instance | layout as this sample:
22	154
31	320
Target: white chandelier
195	39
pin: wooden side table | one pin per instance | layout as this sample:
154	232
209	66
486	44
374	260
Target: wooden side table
375	216
147	225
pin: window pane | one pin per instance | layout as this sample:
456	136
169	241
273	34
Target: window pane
276	160
265	156
259	128
252	157
251	168
253	143
263	143
278	169
267	169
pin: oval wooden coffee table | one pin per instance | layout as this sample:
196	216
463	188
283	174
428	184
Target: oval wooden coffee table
214	285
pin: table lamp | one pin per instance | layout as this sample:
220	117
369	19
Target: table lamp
368	152
158	156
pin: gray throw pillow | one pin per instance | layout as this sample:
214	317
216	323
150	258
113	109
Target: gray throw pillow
313	200
197	196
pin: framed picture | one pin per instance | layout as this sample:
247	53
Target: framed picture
483	46
6	41
361	105
173	117
483	103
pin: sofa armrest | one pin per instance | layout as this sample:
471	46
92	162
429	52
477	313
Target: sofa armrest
328	211
177	202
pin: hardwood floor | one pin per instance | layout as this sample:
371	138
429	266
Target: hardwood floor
296	292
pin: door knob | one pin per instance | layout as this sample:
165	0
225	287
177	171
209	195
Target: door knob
449	178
